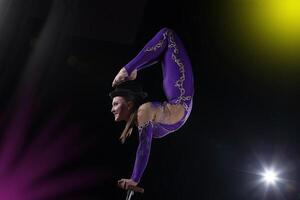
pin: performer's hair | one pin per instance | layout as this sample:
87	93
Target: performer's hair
130	123
137	101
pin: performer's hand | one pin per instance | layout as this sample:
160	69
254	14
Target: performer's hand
125	183
122	76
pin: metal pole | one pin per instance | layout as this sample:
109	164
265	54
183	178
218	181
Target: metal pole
130	193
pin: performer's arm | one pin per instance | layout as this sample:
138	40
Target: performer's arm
143	151
145	116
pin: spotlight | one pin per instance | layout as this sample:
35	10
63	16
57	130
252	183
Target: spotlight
270	176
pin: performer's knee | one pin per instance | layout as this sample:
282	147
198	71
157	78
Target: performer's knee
165	29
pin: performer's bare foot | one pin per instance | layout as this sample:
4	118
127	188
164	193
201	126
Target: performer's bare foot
122	76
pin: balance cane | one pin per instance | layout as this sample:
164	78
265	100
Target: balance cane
132	189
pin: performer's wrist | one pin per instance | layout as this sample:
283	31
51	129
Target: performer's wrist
135	179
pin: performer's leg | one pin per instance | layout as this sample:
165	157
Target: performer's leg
177	72
150	53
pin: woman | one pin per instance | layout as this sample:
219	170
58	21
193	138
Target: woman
153	119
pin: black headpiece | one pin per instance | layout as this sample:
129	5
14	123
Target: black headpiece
129	88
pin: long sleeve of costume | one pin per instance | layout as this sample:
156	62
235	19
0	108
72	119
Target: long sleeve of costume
143	151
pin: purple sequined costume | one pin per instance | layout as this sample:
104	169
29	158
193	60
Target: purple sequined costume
167	48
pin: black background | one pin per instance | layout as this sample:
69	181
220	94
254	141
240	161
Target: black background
64	55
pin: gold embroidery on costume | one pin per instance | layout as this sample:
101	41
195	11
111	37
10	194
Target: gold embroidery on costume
147	123
159	44
179	83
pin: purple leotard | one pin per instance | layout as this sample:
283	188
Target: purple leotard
178	84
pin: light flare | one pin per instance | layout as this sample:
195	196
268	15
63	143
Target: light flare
270	176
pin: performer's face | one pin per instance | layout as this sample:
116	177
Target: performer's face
121	108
